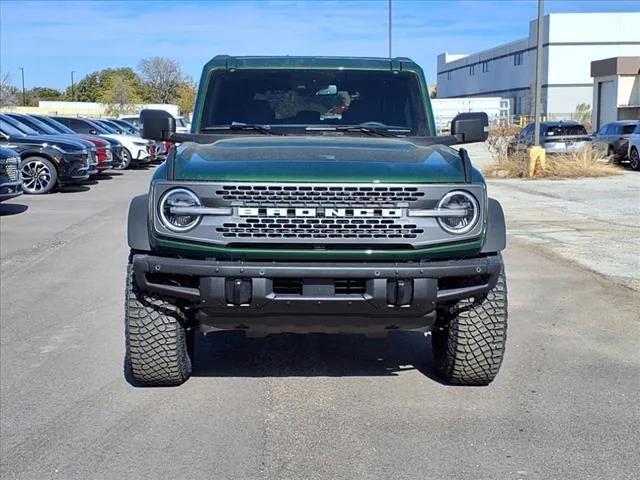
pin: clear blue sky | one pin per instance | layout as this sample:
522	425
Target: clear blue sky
49	39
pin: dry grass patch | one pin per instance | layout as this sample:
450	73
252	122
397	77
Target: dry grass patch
588	163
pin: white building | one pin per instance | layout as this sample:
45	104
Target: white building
616	90
86	109
571	41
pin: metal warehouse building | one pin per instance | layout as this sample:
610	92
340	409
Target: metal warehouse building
571	42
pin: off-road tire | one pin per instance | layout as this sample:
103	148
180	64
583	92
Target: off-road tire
468	346
157	342
634	159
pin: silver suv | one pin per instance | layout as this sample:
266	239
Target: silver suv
564	136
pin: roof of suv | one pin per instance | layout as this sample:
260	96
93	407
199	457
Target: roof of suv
361	63
624	122
561	123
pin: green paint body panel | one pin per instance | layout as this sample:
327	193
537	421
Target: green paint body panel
317	159
259	158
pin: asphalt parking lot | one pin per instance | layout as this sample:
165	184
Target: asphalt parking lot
565	404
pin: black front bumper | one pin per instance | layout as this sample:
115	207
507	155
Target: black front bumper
10	189
245	295
74	168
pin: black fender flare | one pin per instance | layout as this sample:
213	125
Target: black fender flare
495	239
138	224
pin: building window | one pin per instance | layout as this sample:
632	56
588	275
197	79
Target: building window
485	67
517	59
472	69
448	75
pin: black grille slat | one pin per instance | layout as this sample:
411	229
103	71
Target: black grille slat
327	196
350	286
321	228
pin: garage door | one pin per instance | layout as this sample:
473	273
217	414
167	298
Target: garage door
607	103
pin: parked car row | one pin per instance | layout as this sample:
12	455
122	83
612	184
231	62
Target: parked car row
618	140
57	150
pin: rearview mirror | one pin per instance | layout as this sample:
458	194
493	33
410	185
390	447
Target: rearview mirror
157	124
470	127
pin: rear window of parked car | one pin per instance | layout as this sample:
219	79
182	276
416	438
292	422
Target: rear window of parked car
566	130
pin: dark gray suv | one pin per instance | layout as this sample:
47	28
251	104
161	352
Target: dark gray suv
613	138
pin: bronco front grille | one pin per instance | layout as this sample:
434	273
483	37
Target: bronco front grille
345	196
322	215
320	228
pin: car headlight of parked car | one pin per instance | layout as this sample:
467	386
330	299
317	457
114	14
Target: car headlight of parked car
464	212
174	209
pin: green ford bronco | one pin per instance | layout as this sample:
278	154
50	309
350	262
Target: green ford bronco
313	195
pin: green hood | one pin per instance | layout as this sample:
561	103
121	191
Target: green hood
317	159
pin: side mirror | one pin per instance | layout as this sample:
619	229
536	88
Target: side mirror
157	124
470	127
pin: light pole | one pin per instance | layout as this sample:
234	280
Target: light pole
73	93
389	28
538	95
24	96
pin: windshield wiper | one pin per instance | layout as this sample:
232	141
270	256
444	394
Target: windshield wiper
374	130
266	129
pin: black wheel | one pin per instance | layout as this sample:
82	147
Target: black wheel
126	160
39	175
613	158
468	346
634	159
157	342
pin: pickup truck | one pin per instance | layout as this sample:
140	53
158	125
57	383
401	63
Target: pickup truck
312	195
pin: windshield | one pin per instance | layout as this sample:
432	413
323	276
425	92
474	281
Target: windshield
100	128
56	125
25	129
9	129
110	125
566	130
125	125
132	120
283	98
36	124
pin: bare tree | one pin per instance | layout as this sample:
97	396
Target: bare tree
8	93
162	77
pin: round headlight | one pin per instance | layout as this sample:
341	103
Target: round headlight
465	212
178	197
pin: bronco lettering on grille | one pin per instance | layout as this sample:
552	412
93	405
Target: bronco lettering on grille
320	212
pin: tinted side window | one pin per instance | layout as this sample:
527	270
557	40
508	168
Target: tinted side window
79	126
612	130
627	129
528	131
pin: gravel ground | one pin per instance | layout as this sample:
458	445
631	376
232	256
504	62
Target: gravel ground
594	222
299	407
